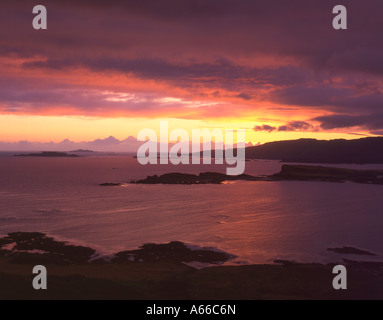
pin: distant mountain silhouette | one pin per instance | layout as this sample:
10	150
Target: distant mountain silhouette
365	150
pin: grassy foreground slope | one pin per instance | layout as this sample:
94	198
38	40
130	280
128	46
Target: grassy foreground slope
155	272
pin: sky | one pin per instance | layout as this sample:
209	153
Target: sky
104	69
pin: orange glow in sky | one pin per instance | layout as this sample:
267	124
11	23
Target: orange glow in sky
230	67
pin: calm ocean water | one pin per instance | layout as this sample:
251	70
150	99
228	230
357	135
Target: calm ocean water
257	221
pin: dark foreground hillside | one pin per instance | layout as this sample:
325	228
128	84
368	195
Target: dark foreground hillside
158	272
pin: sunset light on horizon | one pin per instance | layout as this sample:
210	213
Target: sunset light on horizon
129	66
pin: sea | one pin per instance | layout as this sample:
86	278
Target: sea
257	221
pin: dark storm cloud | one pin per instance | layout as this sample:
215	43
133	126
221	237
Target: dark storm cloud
333	98
290	126
264	127
296	28
220	71
279	51
296	126
244	96
371	122
309	96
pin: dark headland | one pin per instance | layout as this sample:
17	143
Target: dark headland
362	151
160	271
329	174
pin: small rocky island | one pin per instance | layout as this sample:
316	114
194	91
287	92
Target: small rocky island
82	151
47	154
288	172
202	178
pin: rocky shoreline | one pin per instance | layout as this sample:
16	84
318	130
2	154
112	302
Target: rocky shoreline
20	247
160	271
